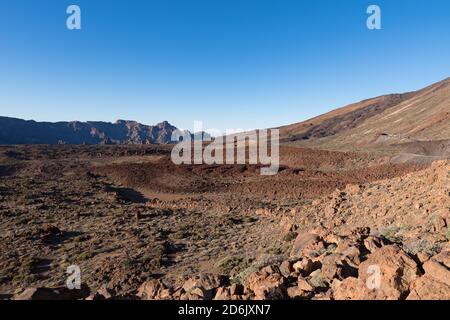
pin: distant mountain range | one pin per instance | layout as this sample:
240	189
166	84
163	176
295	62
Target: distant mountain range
18	131
414	122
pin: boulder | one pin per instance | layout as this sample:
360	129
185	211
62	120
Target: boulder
303	285
296	293
438	267
397	271
338	266
307	244
350	250
305	266
427	288
349	289
286	268
151	290
267	287
204	285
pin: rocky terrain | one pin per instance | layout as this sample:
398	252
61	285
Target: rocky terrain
360	209
18	131
141	228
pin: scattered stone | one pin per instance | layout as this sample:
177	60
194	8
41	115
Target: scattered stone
307	244
349	289
204	285
267	287
286	268
151	290
397	271
438	267
373	243
304	285
427	288
296	293
338	266
304	266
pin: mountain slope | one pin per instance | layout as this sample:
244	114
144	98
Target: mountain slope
415	117
18	131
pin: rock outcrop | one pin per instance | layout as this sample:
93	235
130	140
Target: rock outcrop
18	131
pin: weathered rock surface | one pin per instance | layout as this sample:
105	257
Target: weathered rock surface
267	287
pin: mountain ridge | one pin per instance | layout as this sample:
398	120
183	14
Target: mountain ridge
19	131
417	116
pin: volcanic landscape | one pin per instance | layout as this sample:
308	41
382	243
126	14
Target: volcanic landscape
365	185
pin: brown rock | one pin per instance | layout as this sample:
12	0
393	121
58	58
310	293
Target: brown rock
267	287
373	243
349	289
206	283
438	267
349	248
297	293
286	268
427	288
150	290
423	257
338	266
269	270
305	266
190	296
200	292
222	294
322	296
397	272
307	244
352	189
304	285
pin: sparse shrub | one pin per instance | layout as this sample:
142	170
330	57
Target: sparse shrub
85	255
331	248
28	265
447	233
423	246
180	235
158	253
256	266
275	251
27	271
391	234
230	219
291	235
248	219
279	249
230	263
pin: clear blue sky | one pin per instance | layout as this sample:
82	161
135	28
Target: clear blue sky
230	63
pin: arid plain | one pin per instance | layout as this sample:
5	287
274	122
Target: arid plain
365	185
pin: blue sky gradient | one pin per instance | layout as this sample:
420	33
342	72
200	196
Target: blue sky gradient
230	63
